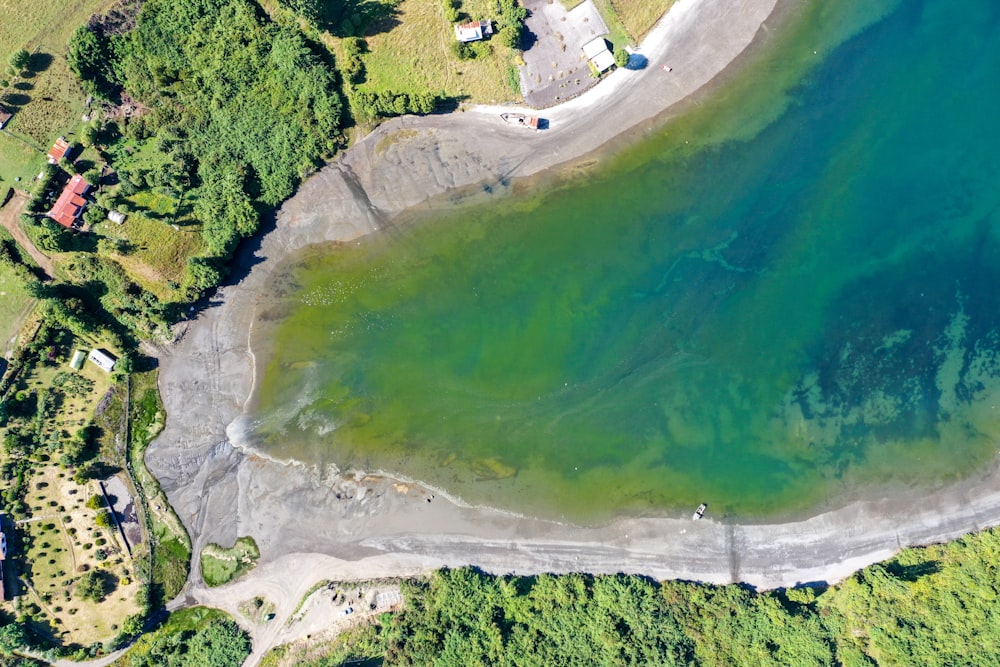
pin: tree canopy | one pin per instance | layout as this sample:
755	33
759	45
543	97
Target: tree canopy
239	108
192	638
928	606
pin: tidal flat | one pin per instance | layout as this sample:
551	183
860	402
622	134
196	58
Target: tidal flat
797	309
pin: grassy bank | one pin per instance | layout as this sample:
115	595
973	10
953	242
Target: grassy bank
171	547
220	565
639	16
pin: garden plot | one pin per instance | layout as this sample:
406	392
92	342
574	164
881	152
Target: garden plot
65	540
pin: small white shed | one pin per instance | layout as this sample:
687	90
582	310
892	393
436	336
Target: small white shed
102	359
79	356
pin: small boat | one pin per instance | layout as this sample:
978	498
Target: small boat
700	512
521	120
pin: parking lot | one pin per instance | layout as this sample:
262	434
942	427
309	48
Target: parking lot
555	69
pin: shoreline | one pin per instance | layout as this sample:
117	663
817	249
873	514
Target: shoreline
330	525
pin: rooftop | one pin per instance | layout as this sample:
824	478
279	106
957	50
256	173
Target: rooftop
597	52
473	30
103	359
70	204
59	150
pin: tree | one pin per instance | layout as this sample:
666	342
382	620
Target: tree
93	585
93	176
451	11
621	57
218	644
89	134
510	36
307	9
203	273
88	57
19	60
12	637
103	519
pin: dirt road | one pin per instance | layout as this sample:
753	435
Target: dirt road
8	218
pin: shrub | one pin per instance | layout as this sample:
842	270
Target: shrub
94	585
451	14
104	519
462	51
19	60
353	66
510	36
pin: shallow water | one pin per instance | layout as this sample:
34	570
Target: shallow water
796	304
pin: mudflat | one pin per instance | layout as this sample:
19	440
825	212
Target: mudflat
328	524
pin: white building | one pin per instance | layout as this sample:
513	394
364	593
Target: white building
473	31
597	52
102	359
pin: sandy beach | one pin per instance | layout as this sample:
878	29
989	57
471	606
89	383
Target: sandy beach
315	525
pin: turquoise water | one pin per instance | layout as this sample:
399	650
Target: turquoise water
786	296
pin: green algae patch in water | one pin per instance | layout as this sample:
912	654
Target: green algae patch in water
761	324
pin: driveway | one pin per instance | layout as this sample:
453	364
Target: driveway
8	217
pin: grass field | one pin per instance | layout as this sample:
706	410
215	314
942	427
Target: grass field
159	253
48	101
639	16
14	302
417	55
18	160
220	565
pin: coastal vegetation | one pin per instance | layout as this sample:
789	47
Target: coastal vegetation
932	605
220	565
194	637
222	133
170	551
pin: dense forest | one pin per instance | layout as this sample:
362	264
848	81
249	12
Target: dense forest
195	637
928	606
220	107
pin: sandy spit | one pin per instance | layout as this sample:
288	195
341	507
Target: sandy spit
312	526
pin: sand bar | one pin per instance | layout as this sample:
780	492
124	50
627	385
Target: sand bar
313	526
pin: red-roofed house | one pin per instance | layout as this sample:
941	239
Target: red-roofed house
4	116
59	150
70	204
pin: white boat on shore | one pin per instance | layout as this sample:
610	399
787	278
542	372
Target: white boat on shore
520	120
700	512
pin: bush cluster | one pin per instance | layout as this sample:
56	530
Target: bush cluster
385	103
241	109
928	606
